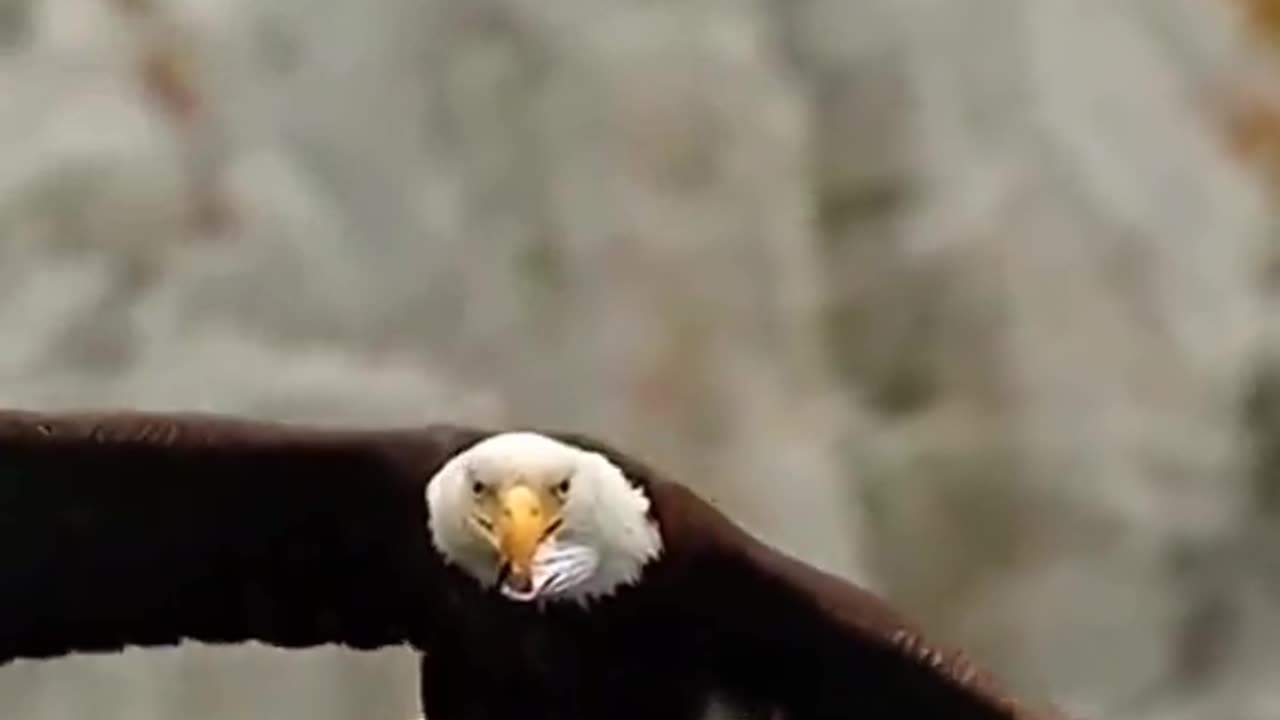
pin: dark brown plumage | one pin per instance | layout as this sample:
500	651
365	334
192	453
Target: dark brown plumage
146	529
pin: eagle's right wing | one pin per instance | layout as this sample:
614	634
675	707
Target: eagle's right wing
142	529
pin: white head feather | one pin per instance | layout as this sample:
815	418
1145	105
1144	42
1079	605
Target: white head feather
602	511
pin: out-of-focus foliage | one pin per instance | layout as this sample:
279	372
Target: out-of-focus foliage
966	301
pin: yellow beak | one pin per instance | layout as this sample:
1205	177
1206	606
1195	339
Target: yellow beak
525	521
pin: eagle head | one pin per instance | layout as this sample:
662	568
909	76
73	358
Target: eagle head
540	518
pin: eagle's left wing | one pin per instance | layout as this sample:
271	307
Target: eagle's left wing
782	635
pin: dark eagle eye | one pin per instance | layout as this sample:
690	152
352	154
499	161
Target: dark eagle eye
562	487
477	487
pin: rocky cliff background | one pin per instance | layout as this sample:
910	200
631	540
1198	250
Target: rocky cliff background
967	301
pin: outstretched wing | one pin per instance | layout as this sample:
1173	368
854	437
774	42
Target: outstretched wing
145	529
785	636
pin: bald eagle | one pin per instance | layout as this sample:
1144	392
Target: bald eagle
541	575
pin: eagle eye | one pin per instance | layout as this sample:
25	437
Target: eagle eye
477	488
562	487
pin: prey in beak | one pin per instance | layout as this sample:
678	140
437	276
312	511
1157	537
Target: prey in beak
518	520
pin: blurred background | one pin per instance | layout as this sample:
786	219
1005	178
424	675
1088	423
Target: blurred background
966	301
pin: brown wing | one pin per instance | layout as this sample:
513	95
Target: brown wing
787	636
145	529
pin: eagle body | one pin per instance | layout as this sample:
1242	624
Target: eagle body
647	654
143	529
573	663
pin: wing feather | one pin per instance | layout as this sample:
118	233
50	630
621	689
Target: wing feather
147	529
785	636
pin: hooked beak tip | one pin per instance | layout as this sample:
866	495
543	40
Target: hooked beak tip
520	583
